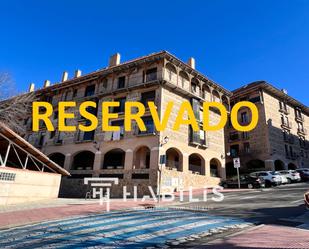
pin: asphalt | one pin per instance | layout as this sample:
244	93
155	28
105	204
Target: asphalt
180	225
278	205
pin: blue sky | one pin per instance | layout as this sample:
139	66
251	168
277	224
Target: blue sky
234	42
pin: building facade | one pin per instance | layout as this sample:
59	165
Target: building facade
280	140
171	159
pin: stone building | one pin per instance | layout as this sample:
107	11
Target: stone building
280	139
171	159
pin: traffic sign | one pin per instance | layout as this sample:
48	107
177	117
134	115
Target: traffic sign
236	162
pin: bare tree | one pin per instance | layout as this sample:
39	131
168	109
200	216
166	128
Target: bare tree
14	107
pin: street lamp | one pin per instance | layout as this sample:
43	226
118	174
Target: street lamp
163	142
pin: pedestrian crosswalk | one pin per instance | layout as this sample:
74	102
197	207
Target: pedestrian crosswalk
117	229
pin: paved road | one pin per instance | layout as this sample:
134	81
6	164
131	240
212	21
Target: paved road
268	206
117	229
160	226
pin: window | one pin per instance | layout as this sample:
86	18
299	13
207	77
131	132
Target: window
245	135
56	115
234	150
246	147
52	134
41	139
104	84
65	95
255	99
75	93
286	150
88	135
121	82
193	88
244	118
148	121
234	136
151	74
302	142
148	97
120	108
302	153
291	151
119	123
90	90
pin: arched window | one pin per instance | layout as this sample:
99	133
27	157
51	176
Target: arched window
83	160
195	86
279	165
114	159
215	96
58	158
174	159
171	72
215	167
183	80
196	164
142	158
206	93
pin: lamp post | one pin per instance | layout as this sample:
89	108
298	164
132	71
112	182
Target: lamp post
163	142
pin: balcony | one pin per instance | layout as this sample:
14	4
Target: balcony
299	118
284	110
286	124
292	156
151	76
57	141
234	137
302	131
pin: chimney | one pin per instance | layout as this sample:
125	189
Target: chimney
191	62
64	76
31	87
114	60
46	83
77	73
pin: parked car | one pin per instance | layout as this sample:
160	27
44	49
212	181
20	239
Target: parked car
291	175
284	179
271	178
306	197
304	174
246	181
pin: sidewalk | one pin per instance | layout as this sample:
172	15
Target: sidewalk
38	212
264	236
27	213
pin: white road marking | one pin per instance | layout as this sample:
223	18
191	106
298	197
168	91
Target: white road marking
301	200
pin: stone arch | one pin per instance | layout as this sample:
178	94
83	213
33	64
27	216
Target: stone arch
206	92
114	159
292	166
255	165
171	71
279	165
215	167
83	160
141	158
184	79
225	102
197	164
58	158
215	96
174	159
195	86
